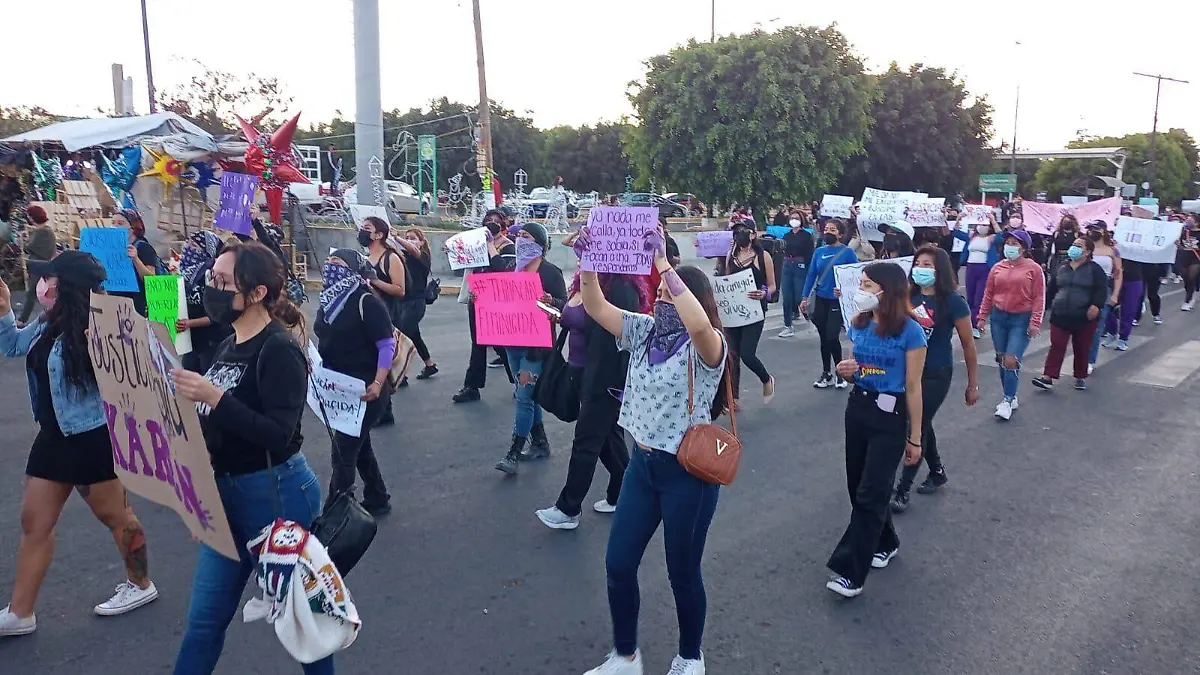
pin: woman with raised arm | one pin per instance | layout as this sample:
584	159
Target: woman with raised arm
684	334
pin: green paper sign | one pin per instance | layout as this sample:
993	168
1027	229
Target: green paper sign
162	300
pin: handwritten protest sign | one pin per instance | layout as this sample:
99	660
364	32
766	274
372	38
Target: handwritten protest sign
166	304
733	302
974	214
506	311
1147	240
109	245
616	241
715	244
836	206
882	206
340	395
360	212
926	212
847	277
468	249
158	448
1190	206
1043	218
237	202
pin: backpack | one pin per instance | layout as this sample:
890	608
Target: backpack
432	290
405	350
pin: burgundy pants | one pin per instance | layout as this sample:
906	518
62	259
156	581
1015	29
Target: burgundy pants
1081	343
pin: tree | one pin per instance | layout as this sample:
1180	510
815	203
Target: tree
754	119
1026	174
925	137
589	158
19	119
212	98
1174	175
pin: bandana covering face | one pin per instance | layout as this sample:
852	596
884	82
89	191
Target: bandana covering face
339	283
205	250
669	334
527	251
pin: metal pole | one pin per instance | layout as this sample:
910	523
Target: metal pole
1154	129
1016	113
713	36
149	68
485	115
368	115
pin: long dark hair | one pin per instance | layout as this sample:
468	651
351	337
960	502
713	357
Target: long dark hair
946	281
697	282
256	265
894	308
68	320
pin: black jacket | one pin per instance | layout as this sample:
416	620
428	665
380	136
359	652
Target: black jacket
606	365
552	283
1075	290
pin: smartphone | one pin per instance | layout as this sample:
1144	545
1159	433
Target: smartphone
550	309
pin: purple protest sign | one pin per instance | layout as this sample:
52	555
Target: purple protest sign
715	244
617	241
237	202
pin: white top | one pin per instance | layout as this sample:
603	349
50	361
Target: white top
977	250
1105	262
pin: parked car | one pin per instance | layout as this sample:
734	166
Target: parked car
540	198
686	200
309	194
402	197
666	207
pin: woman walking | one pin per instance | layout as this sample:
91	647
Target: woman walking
1106	256
250	401
200	251
826	310
683	336
72	450
1187	260
798	246
744	339
1121	320
1080	289
884	421
942	313
502	257
40	245
389	283
979	256
1015	299
418	262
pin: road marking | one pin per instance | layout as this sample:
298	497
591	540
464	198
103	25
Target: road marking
1172	368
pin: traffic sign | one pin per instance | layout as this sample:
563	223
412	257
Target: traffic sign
998	182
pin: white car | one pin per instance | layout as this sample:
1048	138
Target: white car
309	194
401	196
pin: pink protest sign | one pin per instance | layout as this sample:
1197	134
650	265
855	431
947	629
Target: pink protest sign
616	241
237	202
506	311
1043	218
715	244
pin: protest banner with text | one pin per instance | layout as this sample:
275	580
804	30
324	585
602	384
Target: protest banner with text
339	394
926	212
157	445
506	311
110	246
165	304
468	250
1044	218
715	244
237	202
617	241
836	206
733	300
882	206
847	277
1147	240
974	214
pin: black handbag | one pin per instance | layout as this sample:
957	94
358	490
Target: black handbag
556	391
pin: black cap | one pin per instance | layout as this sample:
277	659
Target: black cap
75	268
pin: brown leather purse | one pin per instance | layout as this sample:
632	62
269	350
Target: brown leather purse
710	452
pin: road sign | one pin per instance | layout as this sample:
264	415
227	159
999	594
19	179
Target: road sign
998	182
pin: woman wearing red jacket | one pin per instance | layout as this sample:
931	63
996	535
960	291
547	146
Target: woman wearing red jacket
1015	299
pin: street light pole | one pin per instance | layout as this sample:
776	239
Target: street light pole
485	114
1154	129
149	68
1016	113
713	36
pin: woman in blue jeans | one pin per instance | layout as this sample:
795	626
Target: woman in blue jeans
250	400
1015	298
684	333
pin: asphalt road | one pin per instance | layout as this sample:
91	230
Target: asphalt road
1066	542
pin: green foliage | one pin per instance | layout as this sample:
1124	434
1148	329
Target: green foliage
19	119
753	119
588	158
1174	176
1026	175
925	138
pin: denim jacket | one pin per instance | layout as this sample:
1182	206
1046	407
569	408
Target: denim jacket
78	410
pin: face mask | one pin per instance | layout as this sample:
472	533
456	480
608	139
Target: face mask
218	305
924	276
891	242
492	227
414	241
794	223
830	238
528	250
1075	253
42	289
364	238
982	230
742	238
1012	252
866	302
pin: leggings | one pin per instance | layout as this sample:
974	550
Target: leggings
1190	273
411	313
1131	299
827	317
1153	282
744	342
935	385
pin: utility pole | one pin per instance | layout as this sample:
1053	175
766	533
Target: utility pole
1016	113
485	114
713	36
149	68
368	113
1154	130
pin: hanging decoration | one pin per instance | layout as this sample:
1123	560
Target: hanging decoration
272	159
166	168
47	176
201	175
119	174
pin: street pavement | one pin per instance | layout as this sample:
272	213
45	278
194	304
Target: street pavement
1066	541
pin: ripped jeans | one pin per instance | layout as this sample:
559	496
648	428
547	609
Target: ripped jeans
1010	337
526	412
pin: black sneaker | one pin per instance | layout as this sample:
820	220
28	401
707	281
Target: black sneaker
1044	383
466	395
933	482
378	510
387	420
900	501
427	372
1080	384
403	383
496	363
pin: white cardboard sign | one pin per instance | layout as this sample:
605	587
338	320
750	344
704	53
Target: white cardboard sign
733	301
847	277
1146	240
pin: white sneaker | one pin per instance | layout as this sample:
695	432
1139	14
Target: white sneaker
557	520
1091	368
619	665
11	624
976	333
1014	404
881	560
1187	307
787	332
823	381
128	598
1158	321
843	587
1004	410
682	666
839	383
603	506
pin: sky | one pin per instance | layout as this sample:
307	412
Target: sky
569	61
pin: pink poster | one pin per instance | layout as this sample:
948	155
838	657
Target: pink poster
506	311
1043	218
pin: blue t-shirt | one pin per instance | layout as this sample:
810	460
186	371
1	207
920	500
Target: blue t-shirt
825	257
881	364
937	320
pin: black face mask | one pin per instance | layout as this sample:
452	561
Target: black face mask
1095	235
891	242
742	238
493	227
830	238
364	238
218	305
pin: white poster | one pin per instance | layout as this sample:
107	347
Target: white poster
836	206
882	206
847	277
1190	206
733	299
340	394
360	212
183	339
927	212
974	214
1146	240
1074	200
468	249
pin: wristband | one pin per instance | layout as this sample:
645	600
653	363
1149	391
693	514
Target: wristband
915	445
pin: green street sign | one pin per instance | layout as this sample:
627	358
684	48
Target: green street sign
426	146
998	182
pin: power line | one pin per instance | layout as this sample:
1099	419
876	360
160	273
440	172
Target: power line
1154	130
405	126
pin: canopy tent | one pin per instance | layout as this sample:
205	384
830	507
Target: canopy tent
118	132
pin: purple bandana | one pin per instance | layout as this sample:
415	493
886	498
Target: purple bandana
669	334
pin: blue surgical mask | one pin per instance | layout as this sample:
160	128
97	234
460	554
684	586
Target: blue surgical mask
1075	253
1012	252
924	276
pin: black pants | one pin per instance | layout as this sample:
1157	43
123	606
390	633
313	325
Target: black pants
935	385
827	317
597	436
477	366
874	447
411	313
1153	283
356	455
744	342
31	299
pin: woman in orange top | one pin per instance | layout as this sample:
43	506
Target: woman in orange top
1015	298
